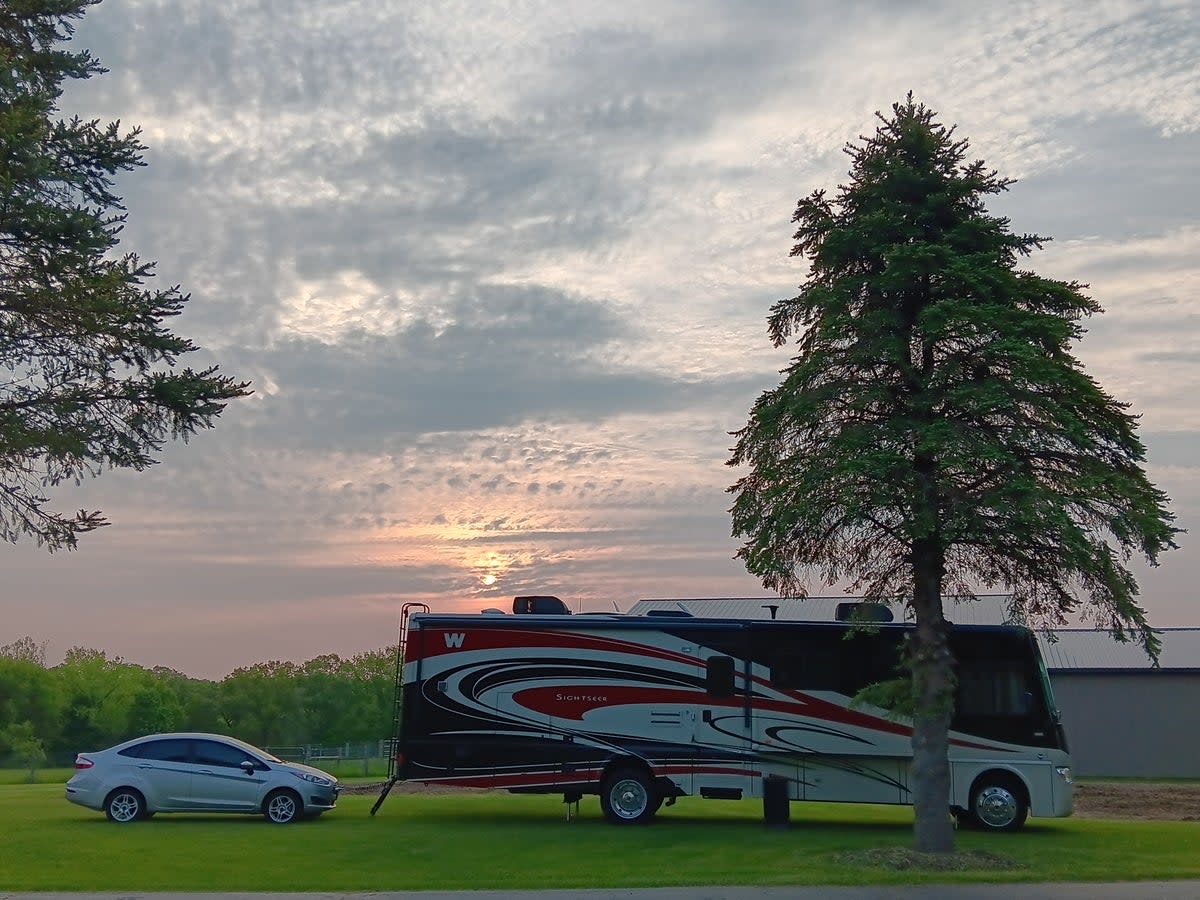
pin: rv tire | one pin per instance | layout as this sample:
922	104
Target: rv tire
628	797
998	803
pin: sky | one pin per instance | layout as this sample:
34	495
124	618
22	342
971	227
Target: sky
499	273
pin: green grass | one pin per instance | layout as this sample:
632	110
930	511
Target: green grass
353	768
40	776
476	841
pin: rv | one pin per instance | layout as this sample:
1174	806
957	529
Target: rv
644	709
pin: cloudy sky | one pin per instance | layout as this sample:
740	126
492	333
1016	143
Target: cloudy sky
499	273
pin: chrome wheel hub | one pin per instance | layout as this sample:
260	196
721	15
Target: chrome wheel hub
996	807
629	798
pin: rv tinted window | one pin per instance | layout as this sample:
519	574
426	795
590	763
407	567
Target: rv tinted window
868	658
806	661
719	676
993	688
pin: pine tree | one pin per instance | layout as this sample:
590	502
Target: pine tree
88	366
934	435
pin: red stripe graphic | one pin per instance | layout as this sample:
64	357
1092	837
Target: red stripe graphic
440	641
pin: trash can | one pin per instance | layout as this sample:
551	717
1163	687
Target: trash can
777	806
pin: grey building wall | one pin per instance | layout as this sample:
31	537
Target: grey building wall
1142	723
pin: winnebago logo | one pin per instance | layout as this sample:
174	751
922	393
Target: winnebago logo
454	639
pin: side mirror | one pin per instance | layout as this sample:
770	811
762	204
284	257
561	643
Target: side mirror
1027	703
248	767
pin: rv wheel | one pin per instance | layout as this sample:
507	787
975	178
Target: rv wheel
998	803
628	797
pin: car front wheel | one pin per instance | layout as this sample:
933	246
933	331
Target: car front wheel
125	805
282	806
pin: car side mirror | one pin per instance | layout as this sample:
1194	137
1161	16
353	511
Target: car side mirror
248	767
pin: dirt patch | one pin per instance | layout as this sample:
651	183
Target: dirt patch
1177	802
409	787
901	858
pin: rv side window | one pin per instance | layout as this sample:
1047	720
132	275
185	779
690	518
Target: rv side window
993	688
719	676
806	662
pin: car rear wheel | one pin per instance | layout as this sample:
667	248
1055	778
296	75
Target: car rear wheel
125	805
282	806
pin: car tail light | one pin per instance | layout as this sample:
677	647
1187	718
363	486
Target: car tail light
82	762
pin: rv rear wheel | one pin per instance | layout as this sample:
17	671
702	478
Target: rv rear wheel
628	797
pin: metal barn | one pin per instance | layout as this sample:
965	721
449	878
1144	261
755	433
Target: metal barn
1124	717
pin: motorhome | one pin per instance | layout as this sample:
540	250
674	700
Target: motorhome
644	709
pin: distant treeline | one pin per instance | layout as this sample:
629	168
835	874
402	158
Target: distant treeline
89	702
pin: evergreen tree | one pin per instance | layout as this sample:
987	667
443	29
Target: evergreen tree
934	434
88	375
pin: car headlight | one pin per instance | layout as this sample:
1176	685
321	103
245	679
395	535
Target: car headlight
1064	772
313	779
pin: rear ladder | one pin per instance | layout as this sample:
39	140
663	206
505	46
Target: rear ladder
398	701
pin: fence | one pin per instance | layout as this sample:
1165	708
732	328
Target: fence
351	758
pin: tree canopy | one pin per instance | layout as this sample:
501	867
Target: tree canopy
934	434
89	375
92	700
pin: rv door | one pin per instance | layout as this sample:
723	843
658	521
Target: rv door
723	769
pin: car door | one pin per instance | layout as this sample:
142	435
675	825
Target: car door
165	772
219	781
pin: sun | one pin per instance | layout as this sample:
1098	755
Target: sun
489	579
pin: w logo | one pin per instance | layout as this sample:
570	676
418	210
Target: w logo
454	640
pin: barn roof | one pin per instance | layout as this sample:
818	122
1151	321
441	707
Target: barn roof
1095	650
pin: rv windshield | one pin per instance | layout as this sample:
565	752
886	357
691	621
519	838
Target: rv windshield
1047	689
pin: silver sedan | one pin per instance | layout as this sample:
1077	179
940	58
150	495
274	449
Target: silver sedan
193	772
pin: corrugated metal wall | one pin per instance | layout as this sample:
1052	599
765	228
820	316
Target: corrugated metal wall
1135	724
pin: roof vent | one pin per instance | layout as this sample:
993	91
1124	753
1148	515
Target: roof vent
540	606
863	612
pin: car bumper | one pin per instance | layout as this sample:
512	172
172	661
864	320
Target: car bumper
84	796
321	798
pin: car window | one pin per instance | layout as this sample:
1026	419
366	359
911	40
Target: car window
166	750
214	753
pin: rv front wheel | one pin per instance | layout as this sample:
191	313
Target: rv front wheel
998	803
628	797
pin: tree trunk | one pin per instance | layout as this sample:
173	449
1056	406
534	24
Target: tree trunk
933	685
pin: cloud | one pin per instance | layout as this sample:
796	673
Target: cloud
499	273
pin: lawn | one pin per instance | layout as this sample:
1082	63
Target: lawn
475	841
